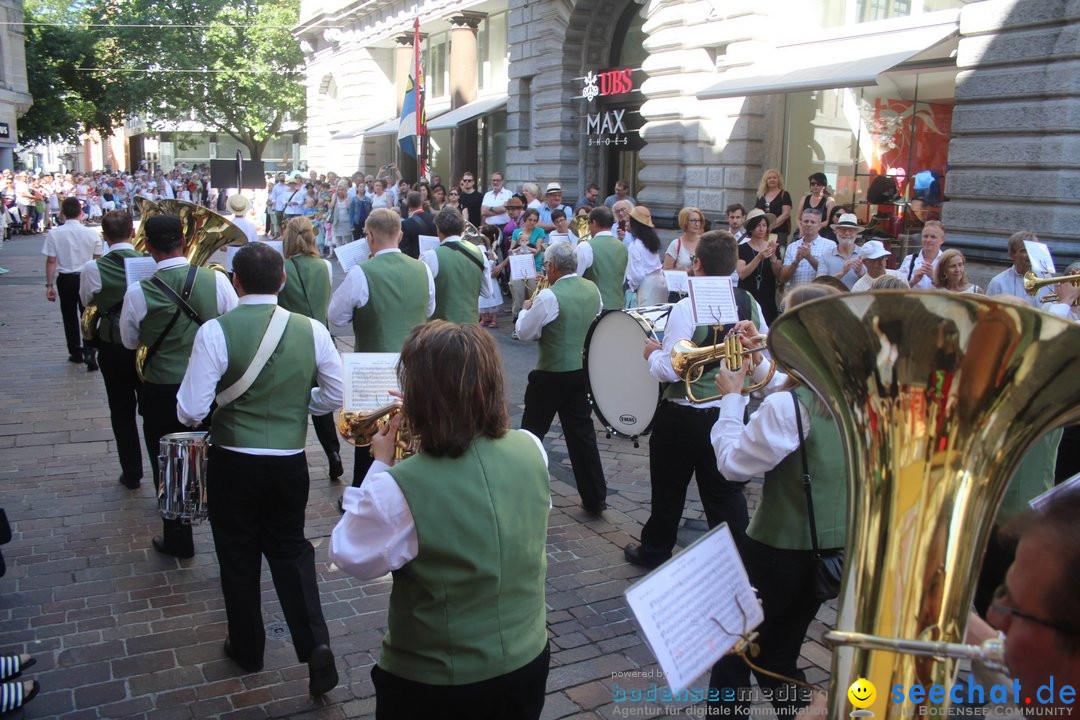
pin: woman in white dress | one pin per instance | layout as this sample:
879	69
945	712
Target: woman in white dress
644	268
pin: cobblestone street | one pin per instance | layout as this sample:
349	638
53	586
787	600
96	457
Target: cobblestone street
121	631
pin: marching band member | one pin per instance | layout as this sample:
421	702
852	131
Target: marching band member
462	525
67	249
559	318
384	298
458	268
679	445
604	258
163	313
104	283
257	361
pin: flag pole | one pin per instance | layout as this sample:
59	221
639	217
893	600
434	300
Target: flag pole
419	100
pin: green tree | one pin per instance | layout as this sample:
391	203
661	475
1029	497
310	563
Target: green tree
234	67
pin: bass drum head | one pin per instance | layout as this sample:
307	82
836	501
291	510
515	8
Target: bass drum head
623	393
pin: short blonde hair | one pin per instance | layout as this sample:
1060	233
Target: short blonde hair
383	223
684	217
761	188
299	238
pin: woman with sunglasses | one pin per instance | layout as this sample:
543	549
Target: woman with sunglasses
818	198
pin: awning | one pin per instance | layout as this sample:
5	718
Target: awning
385	127
836	62
467	113
350	132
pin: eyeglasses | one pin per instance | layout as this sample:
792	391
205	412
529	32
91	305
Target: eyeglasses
694	220
467	180
1002	594
814	184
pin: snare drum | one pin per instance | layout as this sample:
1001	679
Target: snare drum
182	465
622	392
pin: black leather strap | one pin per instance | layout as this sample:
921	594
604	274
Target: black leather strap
805	474
456	246
181	303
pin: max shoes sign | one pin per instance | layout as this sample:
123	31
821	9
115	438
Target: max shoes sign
607	128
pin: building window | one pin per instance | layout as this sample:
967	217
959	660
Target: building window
492	50
436	67
524	114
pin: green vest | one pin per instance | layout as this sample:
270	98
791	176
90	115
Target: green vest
608	269
273	412
781	520
457	286
705	386
470	605
563	340
307	287
170	362
111	295
1034	476
397	302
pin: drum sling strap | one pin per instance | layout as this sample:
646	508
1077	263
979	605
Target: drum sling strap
270	340
182	307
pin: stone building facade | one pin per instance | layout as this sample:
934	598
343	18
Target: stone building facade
14	92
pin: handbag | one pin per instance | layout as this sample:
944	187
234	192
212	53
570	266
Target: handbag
828	564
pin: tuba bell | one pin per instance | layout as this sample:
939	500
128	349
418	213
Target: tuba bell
359	428
937	397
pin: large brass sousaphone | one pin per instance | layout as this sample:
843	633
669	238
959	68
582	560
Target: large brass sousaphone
938	396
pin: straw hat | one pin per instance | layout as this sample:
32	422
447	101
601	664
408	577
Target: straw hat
642	215
237	204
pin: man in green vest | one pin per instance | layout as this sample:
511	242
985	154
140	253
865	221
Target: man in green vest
151	316
104	283
458	268
603	258
679	446
560	317
384	298
258	362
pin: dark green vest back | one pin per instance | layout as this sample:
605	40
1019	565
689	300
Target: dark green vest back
111	294
307	287
397	302
608	269
470	606
170	362
273	412
457	286
781	519
563	340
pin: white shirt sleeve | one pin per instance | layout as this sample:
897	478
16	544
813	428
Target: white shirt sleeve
636	264
431	289
327	397
770	436
680	326
531	322
226	295
351	294
131	316
89	282
584	257
207	364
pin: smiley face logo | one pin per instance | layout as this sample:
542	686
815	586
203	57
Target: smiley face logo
862	693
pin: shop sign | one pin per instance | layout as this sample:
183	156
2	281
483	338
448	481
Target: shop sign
607	128
5	130
609	82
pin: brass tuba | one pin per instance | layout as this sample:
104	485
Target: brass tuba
359	428
580	227
689	362
937	397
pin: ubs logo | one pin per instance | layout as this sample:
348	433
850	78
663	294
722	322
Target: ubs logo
627	419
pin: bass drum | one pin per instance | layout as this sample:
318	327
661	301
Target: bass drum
622	392
182	465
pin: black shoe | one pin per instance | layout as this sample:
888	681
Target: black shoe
77	359
340	506
322	672
336	468
595	512
246	667
159	544
130	484
637	555
91	365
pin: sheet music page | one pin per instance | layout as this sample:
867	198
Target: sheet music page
712	300
428	242
368	379
676	280
681	606
139	268
1042	264
561	237
276	244
352	253
522	267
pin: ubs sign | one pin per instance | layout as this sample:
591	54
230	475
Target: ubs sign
609	125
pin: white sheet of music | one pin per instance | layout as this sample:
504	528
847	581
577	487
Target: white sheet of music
712	300
1042	264
352	253
562	237
276	244
682	605
676	280
428	242
522	267
367	380
139	268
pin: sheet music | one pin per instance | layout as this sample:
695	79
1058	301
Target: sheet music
367	380
562	237
1042	264
428	242
679	604
352	253
676	281
713	300
522	267
276	244
139	268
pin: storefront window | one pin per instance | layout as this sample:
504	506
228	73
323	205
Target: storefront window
436	67
493	134
835	13
491	71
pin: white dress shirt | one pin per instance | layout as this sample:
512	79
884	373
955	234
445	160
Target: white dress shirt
247	226
804	271
294	204
926	282
745	452
833	263
680	326
73	245
544	310
641	263
354	293
377	533
863	283
135	302
430	259
1010	282
210	359
494	200
90	280
584	256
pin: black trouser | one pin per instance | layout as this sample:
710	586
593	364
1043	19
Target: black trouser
518	695
257	508
785	583
361	463
67	287
158	403
326	431
678	449
122	387
565	393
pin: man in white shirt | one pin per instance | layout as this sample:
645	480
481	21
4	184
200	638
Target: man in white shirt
874	257
238	205
493	206
918	269
294	199
1011	280
67	249
802	259
844	262
278	193
736	216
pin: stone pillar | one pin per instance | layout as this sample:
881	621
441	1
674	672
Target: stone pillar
1015	132
463	86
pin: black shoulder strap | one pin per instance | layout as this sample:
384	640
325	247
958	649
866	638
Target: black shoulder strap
805	474
456	246
181	302
911	268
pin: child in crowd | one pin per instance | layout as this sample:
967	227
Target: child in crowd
489	306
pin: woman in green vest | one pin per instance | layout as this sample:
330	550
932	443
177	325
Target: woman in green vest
777	548
308	278
462	526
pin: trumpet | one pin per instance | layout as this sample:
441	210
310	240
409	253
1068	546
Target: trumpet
1033	284
689	362
541	283
359	428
